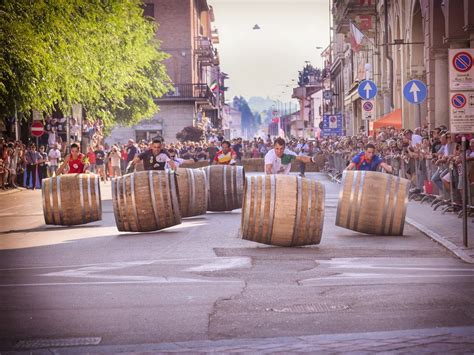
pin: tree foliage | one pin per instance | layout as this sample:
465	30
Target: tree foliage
100	53
190	133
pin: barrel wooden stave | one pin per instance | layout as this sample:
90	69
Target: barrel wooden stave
282	210
145	201
71	199
225	187
192	192
372	203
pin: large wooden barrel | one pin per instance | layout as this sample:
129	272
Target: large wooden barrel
145	201
225	187
71	199
192	192
372	202
284	210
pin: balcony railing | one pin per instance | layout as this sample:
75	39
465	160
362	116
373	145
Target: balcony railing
191	92
206	53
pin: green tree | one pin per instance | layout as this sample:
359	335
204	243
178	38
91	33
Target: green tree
100	53
190	133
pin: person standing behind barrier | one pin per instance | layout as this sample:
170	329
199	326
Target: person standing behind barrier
211	151
132	151
446	149
76	162
32	158
43	165
91	157
154	158
237	147
368	161
226	155
114	158
278	160
100	162
304	149
54	155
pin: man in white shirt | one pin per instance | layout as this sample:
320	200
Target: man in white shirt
53	155
278	160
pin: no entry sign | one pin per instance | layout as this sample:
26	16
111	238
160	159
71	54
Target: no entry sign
37	129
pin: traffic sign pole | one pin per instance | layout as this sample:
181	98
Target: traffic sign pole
465	193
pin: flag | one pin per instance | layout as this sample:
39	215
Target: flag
214	86
356	38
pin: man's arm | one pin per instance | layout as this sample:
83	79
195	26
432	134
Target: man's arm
303	158
351	166
268	169
172	164
63	166
386	167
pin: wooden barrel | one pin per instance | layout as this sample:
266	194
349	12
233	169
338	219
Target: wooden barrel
145	201
372	202
225	187
284	210
192	192
71	199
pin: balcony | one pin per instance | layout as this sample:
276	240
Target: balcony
206	53
199	93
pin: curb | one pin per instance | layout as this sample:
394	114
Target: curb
12	191
453	248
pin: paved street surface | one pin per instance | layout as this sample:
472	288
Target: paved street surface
199	287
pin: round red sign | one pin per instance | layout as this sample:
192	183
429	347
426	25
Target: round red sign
37	129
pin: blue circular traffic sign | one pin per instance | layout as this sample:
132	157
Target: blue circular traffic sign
458	100
462	62
367	89
415	91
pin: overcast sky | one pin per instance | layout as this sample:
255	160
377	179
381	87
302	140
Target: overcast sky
261	62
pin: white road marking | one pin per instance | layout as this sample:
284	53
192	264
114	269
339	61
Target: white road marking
156	261
223	264
99	271
98	283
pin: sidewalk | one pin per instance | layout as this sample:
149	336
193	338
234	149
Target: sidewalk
429	341
445	229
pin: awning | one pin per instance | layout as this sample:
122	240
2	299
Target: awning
393	119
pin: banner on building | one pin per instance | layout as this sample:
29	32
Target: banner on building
332	125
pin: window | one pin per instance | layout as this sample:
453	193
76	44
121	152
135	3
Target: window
148	10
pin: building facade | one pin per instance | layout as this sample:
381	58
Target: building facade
186	33
403	40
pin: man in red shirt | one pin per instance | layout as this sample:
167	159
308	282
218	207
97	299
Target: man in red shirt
76	162
225	156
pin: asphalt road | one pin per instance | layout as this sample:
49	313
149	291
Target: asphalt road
199	281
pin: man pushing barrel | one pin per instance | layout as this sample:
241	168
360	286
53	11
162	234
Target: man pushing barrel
76	162
368	161
278	160
154	158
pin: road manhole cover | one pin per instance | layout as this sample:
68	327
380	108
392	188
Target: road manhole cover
310	308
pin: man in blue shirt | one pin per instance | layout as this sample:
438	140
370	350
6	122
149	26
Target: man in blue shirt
368	161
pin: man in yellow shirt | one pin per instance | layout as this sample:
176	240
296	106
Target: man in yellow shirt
225	156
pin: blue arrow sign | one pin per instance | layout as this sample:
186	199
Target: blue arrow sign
415	91
367	89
